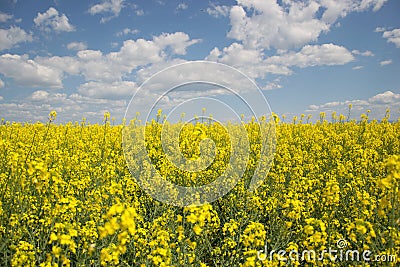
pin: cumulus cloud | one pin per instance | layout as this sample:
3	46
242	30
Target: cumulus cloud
112	7
39	95
105	74
377	104
218	10
386	62
358	67
12	36
288	27
127	31
65	64
275	84
73	107
377	4
177	41
236	54
255	64
366	53
132	54
96	66
392	36
314	55
1	83
269	25
385	98
28	72
77	46
289	24
111	67
250	61
114	90
146	72
52	20
182	6
380	29
341	8
4	17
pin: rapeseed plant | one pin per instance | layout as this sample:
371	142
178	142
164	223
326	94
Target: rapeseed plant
68	198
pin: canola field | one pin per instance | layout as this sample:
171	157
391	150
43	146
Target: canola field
68	198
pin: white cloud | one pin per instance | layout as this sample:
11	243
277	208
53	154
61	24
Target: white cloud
110	6
146	72
393	36
385	98
377	104
358	67
4	17
267	24
127	31
366	53
93	65
236	54
133	54
341	8
271	26
99	70
218	11
314	55
1	83
12	36
254	63
96	66
90	55
112	90
39	95
66	64
380	29
182	6
250	61
52	20
77	46
177	41
107	6
377	4
1	98
275	84
139	12
386	62
186	73
28	72
37	106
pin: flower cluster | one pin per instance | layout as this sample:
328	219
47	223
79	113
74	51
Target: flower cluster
69	199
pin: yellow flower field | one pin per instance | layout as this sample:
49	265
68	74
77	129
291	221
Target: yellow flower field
69	199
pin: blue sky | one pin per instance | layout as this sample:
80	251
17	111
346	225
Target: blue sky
82	58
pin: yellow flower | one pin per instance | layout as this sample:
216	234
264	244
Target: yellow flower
309	229
197	229
385	183
70	185
53	237
56	251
